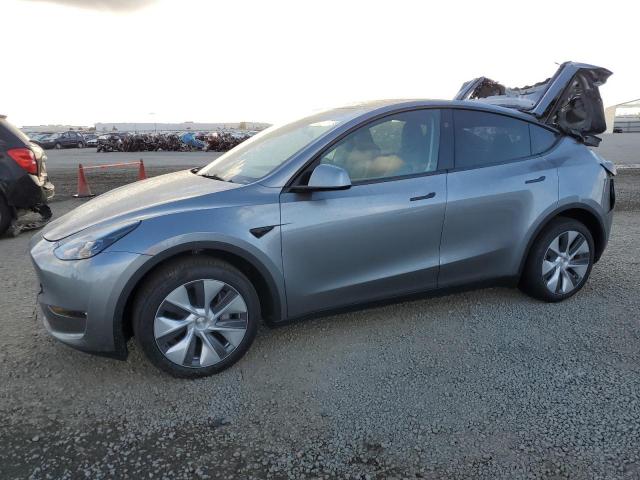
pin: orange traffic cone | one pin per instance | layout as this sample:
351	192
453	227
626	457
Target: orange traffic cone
83	186
141	173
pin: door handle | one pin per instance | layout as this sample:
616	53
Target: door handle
536	180
423	197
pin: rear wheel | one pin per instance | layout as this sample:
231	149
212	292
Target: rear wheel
58	146
196	317
5	216
560	261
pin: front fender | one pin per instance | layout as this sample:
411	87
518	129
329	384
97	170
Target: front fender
224	229
263	265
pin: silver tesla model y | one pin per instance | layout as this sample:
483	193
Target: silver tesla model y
361	204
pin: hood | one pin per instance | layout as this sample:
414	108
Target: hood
137	201
569	101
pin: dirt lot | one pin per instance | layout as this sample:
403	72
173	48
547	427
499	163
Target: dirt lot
62	166
485	384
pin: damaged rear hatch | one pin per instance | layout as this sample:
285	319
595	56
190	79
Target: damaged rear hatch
569	101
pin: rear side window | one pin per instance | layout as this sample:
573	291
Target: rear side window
541	139
484	138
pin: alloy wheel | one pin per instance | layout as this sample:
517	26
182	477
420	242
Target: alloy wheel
566	262
200	323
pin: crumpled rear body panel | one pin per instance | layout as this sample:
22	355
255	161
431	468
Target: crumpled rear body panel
569	101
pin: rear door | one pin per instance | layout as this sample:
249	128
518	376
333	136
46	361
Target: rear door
500	185
379	238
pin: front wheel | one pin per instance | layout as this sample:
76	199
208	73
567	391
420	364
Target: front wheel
58	146
196	316
559	262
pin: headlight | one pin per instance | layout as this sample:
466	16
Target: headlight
89	244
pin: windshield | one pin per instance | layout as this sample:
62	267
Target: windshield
264	152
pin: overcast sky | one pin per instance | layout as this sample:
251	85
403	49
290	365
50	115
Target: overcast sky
80	62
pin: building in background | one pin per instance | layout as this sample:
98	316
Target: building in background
623	117
55	128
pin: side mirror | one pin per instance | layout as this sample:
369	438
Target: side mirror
326	177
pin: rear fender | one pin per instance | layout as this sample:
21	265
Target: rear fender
600	234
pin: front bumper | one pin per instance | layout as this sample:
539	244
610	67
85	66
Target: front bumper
78	298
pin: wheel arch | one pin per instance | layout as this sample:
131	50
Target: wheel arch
271	306
6	223
578	211
3	195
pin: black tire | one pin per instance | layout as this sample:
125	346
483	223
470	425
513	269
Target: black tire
58	146
532	281
6	216
80	145
170	276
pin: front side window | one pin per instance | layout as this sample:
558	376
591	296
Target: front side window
401	144
483	138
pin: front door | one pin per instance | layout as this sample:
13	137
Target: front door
381	237
66	140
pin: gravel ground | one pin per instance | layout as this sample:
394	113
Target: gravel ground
485	384
622	148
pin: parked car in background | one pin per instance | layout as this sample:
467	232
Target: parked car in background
36	137
24	183
359	204
111	142
91	139
68	139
